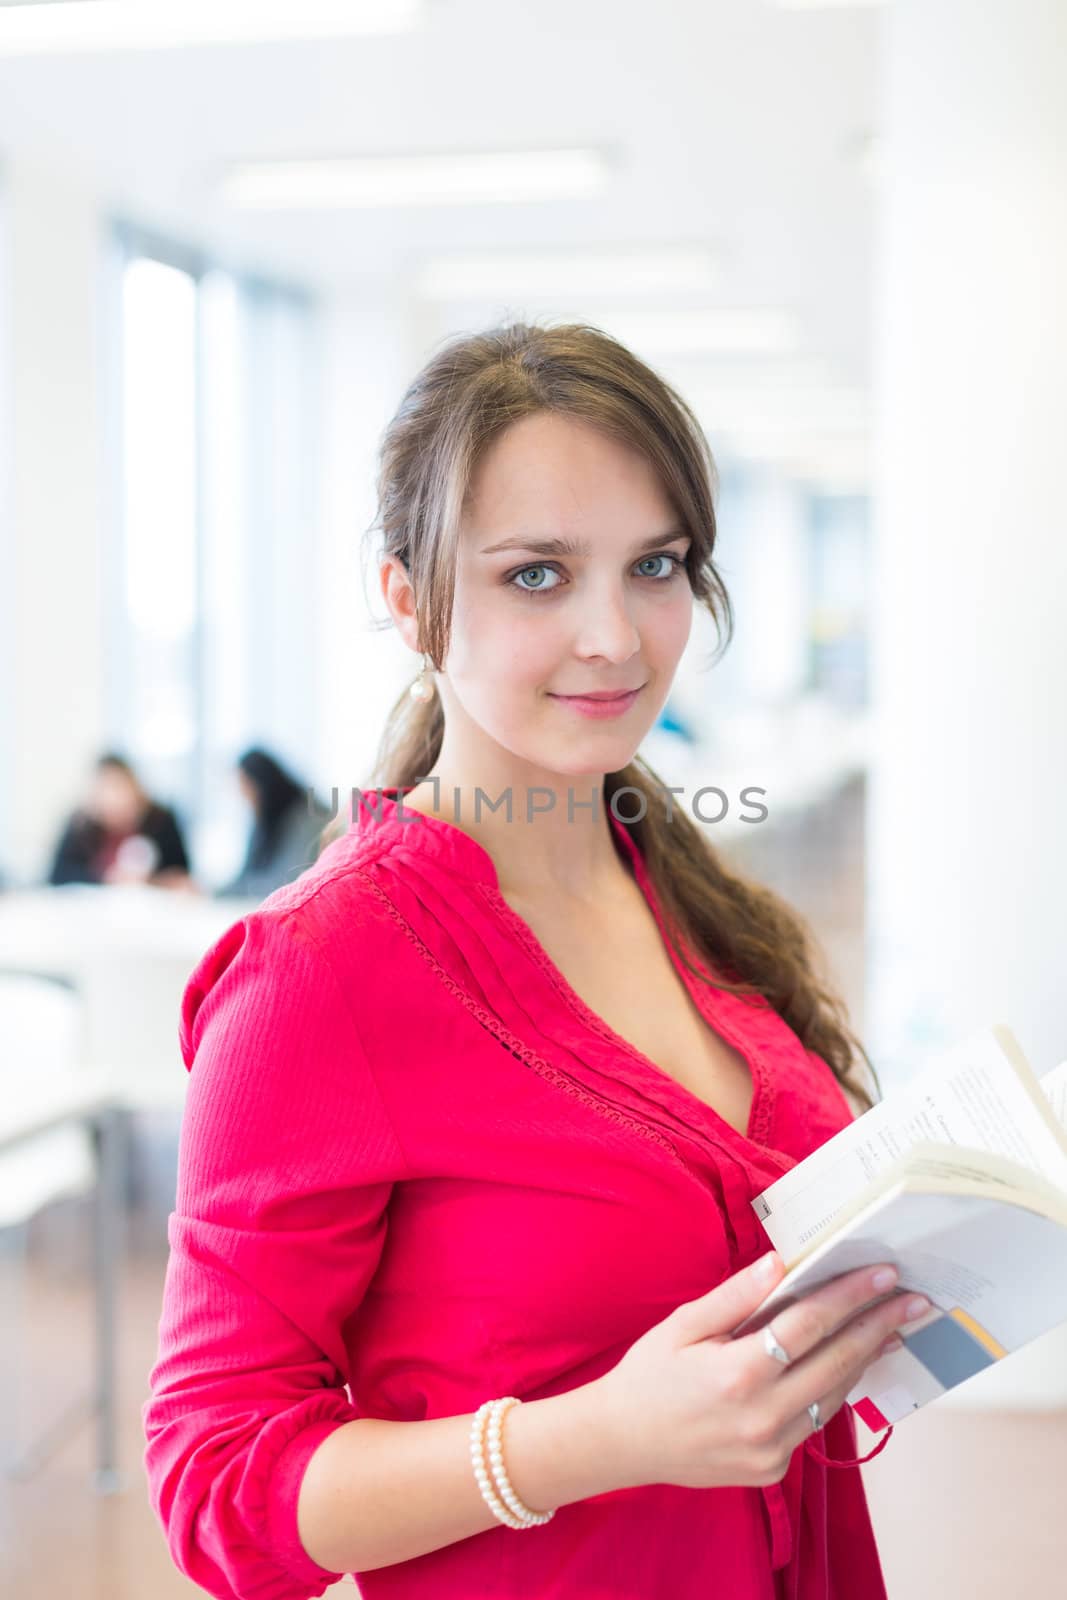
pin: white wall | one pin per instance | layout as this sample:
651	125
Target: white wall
54	693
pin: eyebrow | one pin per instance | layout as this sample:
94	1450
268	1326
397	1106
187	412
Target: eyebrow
577	547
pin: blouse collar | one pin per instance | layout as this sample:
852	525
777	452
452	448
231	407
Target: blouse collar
379	811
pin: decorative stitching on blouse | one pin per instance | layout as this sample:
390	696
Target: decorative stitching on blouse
762	1112
370	849
493	1024
762	1086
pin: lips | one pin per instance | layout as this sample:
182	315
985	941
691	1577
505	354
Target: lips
602	694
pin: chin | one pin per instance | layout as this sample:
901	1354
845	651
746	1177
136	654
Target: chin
609	758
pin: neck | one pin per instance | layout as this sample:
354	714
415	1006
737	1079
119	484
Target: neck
555	841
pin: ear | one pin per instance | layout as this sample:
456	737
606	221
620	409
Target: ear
399	596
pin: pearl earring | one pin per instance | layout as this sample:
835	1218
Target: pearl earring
423	687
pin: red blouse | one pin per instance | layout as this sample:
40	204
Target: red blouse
416	1172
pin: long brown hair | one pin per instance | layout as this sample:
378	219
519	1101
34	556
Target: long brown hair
473	388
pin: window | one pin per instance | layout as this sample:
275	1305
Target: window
210	613
159	518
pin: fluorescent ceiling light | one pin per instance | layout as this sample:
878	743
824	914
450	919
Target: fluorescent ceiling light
567	272
787	408
832	471
407	180
833	465
741	331
828	5
779	434
77	25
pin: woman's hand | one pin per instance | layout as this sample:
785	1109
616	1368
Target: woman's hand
135	860
689	1405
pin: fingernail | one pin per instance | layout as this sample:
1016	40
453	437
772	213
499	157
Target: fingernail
894	1342
767	1266
884	1278
916	1307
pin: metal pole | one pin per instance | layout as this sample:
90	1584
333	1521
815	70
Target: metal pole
108	1219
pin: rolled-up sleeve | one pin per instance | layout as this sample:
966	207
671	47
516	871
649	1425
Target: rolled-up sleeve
286	1163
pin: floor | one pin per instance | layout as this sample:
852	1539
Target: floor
962	1504
63	1539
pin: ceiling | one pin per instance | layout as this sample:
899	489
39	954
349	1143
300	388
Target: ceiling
733	124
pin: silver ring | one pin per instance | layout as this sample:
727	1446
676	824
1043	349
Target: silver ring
813	1413
773	1348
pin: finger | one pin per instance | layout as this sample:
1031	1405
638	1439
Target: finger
839	1361
793	1430
803	1325
798	1428
730	1302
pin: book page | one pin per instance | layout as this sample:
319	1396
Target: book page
1001	1264
984	1175
980	1095
940	1169
1054	1084
975	1322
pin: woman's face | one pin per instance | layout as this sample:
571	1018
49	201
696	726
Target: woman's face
529	626
115	800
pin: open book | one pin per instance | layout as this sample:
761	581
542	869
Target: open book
961	1181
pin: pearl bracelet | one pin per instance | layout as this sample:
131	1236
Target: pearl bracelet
506	1507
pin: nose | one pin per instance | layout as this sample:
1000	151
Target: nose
606	628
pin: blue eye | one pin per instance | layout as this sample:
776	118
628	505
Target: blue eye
676	566
661	556
522	573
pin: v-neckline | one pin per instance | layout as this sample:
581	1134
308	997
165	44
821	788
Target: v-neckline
464	851
669	1090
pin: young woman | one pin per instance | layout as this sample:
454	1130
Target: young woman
478	1104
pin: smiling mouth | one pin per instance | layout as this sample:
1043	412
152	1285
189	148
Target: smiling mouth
601	694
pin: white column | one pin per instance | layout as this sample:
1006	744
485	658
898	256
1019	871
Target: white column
968	833
51	612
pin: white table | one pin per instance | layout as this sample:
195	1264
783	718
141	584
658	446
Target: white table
129	950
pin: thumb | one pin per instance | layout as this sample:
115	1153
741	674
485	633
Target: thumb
730	1302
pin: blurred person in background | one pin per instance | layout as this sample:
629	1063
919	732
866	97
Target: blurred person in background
120	834
287	829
